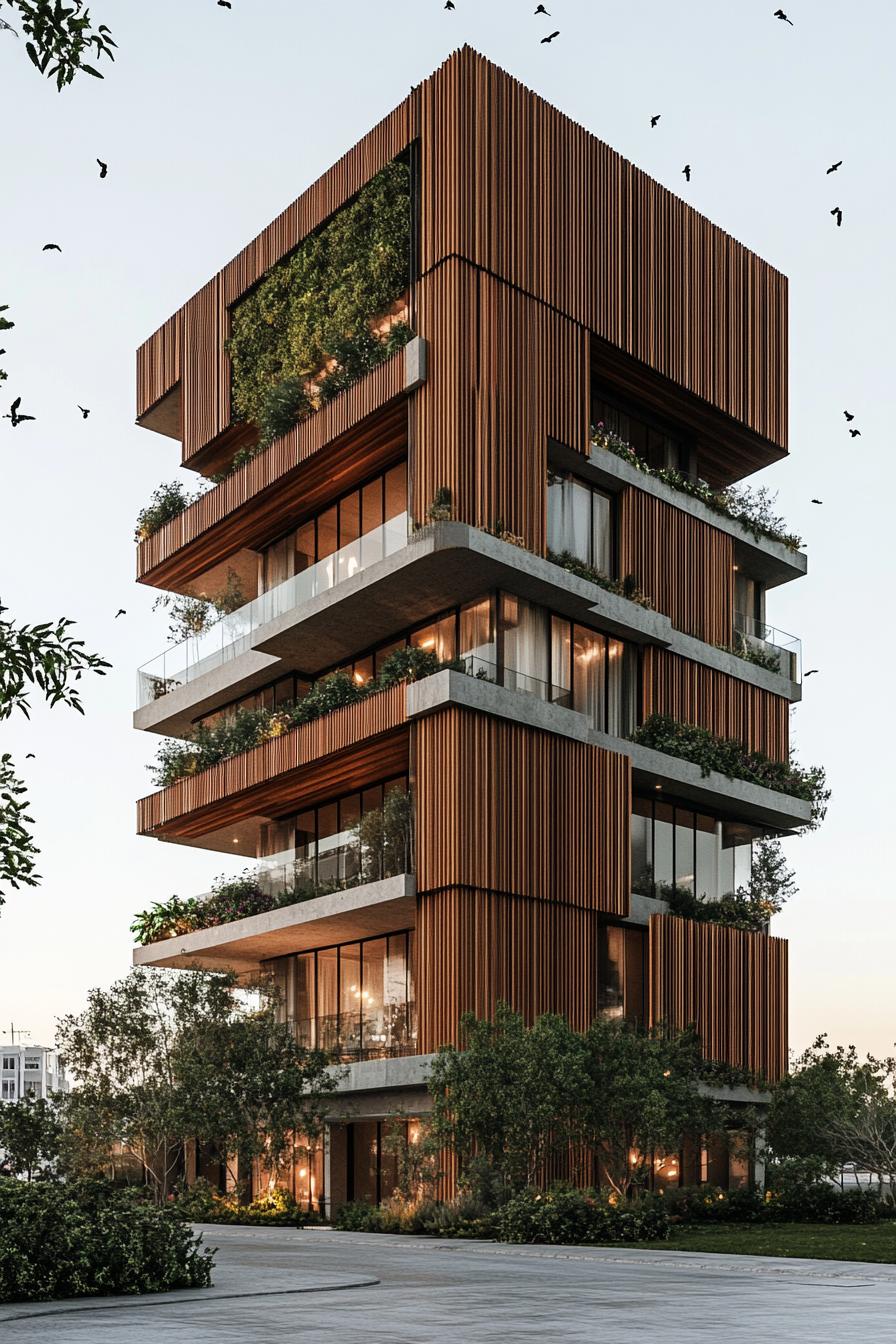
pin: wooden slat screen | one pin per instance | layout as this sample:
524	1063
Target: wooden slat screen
685	566
158	363
241	785
270	472
508	808
730	984
727	706
506	373
475	948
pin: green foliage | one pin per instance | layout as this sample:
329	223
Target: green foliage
730	757
565	1217
202	1203
753	508
751	653
31	1131
189	617
626	587
49	657
247	728
386	837
813	1202
463	1217
442	508
86	1238
772	884
165	1057
718	1073
310	327
60	38
166	502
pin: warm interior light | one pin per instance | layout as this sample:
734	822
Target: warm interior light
427	643
236	839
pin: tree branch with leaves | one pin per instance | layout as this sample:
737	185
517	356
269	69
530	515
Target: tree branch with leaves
60	38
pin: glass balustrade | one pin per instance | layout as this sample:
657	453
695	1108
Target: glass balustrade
234	634
777	645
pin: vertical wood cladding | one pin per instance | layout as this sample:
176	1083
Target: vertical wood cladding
507	808
684	565
725	705
158	363
517	189
476	947
731	985
506	373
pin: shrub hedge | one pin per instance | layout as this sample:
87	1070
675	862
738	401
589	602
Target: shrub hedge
88	1238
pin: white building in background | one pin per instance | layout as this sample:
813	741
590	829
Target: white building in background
34	1069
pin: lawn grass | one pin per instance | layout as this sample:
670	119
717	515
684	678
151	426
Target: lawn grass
817	1241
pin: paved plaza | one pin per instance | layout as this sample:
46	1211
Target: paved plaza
315	1284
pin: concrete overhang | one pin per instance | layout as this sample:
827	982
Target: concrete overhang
771	561
242	945
443	565
652	771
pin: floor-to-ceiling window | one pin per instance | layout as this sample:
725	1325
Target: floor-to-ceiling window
581	522
678	846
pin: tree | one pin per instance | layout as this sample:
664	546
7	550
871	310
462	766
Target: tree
60	37
508	1098
868	1133
49	657
815	1106
31	1133
165	1057
641	1096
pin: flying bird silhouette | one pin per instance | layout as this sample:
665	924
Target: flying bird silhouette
225	4
849	415
51	247
120	612
14	414
541	10
85	411
449	4
855	433
654	120
838	215
834	166
810	673
687	172
550	37
29	755
817	501
779	14
104	168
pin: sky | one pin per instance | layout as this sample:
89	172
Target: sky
211	121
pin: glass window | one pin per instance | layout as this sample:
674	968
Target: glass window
372	505
374	1037
477	637
602	532
327	533
278	560
328	999
362	670
438	638
395	993
397	490
305	547
349	518
580	522
642	847
350	998
589	674
611	952
561	662
383	653
663	832
524	632
302	1006
684	849
737	852
707	857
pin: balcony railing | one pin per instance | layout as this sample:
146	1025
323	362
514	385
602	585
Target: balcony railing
233	635
381	1031
776	646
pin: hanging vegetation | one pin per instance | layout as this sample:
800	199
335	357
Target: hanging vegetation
328	313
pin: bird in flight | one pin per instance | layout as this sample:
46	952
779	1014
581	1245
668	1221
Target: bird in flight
810	673
541	10
225	4
85	411
779	14
687	172
104	168
849	415
29	755
834	166
550	37
449	4
51	247
838	215
654	120
817	501
855	433
120	612
14	414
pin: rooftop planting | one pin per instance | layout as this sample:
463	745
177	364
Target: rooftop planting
730	757
753	508
772	884
626	587
177	759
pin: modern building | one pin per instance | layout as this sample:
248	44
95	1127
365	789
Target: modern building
562	353
30	1070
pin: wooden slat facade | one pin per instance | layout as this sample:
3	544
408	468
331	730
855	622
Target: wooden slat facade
278	773
158	363
684	565
730	984
503	807
475	948
352	436
727	706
